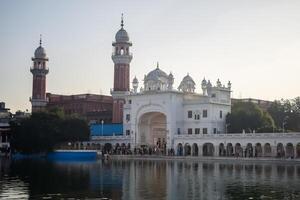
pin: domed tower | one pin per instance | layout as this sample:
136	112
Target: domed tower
156	80
121	58
39	71
187	84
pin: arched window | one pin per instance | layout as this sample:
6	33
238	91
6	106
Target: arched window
122	51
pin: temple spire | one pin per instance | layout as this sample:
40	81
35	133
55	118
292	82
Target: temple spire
122	21
40	40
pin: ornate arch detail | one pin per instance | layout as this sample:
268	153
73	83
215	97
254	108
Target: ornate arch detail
149	108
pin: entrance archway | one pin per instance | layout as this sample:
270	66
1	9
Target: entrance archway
229	149
179	149
208	149
268	150
280	150
238	150
152	130
195	149
289	150
249	150
258	150
187	149
222	151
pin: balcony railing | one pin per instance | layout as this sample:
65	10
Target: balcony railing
118	54
117	137
239	135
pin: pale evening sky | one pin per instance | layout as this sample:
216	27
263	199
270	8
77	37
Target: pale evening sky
253	43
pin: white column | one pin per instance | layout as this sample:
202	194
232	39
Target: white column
233	149
216	153
274	151
169	137
200	150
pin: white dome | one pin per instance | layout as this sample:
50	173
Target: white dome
188	79
156	80
40	52
156	74
122	36
187	84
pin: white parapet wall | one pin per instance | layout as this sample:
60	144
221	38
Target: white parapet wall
239	144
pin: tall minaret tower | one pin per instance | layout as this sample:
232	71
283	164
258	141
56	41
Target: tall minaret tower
39	71
122	58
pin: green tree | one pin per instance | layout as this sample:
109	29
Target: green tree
74	129
44	130
286	113
249	117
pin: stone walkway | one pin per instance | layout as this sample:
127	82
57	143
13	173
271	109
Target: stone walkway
199	158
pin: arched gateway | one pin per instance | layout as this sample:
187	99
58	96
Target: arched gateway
152	130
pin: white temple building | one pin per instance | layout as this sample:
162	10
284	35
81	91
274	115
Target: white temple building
156	114
158	111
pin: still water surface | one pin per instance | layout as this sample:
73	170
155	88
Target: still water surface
173	180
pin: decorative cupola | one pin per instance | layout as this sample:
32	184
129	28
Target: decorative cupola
204	86
219	84
156	80
209	85
170	81
229	85
187	84
135	84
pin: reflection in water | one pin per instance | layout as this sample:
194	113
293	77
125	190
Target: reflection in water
172	180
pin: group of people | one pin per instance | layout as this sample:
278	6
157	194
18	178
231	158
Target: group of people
5	151
141	150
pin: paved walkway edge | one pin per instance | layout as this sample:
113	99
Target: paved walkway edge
200	159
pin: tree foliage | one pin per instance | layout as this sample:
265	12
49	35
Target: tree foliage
249	117
286	113
45	130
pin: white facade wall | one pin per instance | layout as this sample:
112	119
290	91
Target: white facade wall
175	106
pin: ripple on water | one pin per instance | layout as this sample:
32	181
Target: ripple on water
13	188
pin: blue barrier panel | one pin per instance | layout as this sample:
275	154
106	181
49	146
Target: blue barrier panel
106	129
72	155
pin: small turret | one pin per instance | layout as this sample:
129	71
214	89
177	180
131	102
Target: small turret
219	84
170	81
187	84
204	86
229	85
135	84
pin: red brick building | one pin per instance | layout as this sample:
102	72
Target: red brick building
91	106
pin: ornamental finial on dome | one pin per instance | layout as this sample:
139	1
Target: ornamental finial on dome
40	40
122	21
157	65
